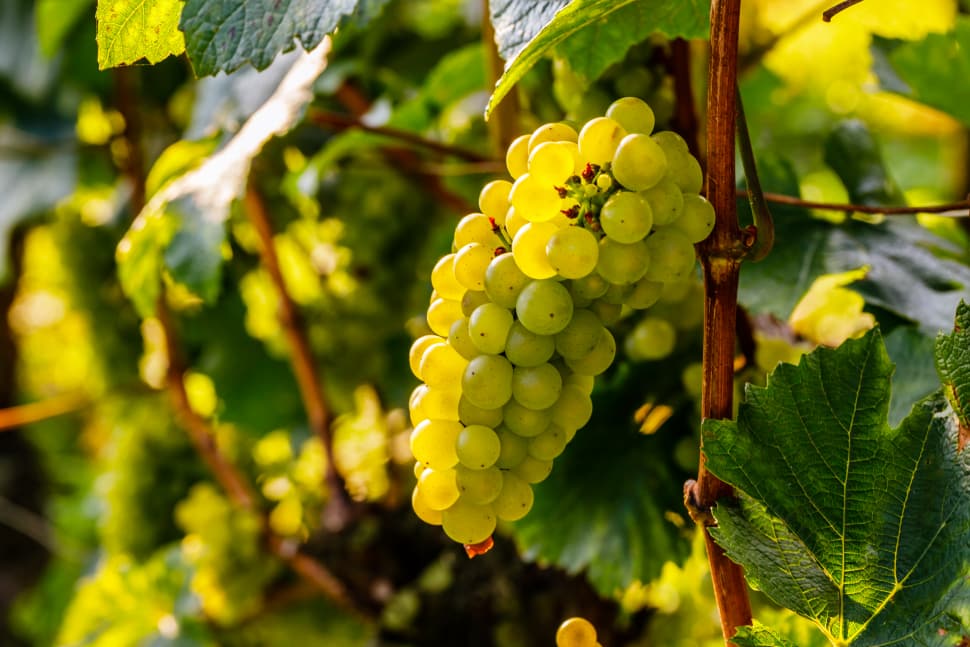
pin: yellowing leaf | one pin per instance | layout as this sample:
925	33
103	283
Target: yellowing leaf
130	30
829	314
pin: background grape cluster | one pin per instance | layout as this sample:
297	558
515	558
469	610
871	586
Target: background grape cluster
595	223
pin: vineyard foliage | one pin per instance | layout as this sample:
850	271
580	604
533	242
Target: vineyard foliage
219	225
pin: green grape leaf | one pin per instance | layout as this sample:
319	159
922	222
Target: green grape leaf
131	30
904	273
628	26
623	483
199	200
852	152
55	19
224	35
758	635
911	350
953	365
931	70
857	526
524	32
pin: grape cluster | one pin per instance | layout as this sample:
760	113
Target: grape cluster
594	221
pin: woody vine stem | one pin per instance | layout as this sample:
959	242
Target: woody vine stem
720	257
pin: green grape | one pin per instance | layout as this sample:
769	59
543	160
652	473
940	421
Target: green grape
525	348
599	139
443	278
535	201
552	132
609	313
697	221
626	217
621	262
671	256
599	359
573	409
417	351
617	294
471	261
472	299
479	486
517	156
544	307
439	488
504	280
529	249
579	337
645	293
666	201
523	421
549	444
651	339
421	509
472	415
592	286
515	500
441	314
433	443
692	377
552	163
494	200
416	411
682	168
584	383
487	381
489	328
468	523
475	228
459	338
632	113
532	470
441	403
478	447
441	365
576	632
572	252
536	387
514	449
639	162
675	291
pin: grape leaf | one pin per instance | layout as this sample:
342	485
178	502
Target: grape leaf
130	30
852	152
200	199
930	70
953	365
904	274
628	26
623	484
915	378
524	32
224	35
758	635
857	526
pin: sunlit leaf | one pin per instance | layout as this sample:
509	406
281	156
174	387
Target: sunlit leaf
131	30
857	526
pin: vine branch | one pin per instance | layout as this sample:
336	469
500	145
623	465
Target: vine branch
830	13
959	209
720	256
338	121
503	125
301	358
25	414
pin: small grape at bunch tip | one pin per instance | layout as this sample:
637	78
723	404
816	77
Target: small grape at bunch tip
594	224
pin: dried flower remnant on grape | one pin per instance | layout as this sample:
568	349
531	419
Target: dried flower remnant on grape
592	225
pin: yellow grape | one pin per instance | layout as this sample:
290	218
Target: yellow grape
517	157
576	632
529	249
